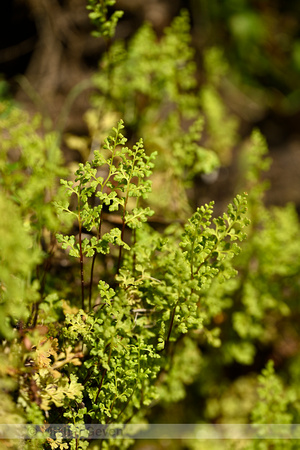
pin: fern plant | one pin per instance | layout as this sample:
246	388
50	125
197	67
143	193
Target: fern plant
104	24
125	172
155	285
256	312
130	335
107	361
152	85
30	167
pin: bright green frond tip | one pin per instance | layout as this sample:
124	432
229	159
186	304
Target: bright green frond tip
104	22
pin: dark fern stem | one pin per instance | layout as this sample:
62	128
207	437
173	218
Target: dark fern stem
122	235
81	264
93	264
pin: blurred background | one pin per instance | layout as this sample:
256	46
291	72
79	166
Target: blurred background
46	49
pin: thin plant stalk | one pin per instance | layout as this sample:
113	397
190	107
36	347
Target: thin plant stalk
81	261
93	264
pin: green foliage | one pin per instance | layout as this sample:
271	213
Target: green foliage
272	408
273	400
29	167
168	288
130	335
153	86
249	32
16	291
255	311
221	139
125	172
105	25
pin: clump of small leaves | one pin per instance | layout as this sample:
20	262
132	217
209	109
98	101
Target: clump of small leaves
152	84
148	297
120	186
104	22
130	335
